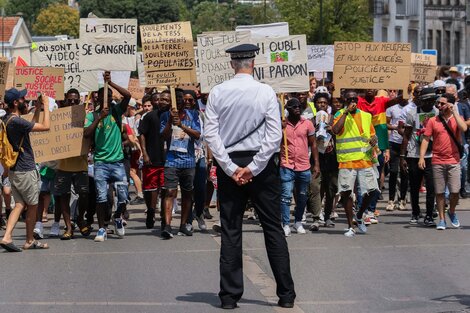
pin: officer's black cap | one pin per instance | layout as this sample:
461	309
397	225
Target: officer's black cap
427	94
244	51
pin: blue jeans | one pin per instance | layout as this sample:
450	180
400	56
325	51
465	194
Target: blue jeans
289	179
200	179
110	173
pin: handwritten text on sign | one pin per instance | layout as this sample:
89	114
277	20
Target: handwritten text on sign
375	65
65	54
65	137
168	53
214	63
320	58
4	65
108	44
282	63
48	81
423	68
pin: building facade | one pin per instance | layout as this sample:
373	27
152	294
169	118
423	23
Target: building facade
427	24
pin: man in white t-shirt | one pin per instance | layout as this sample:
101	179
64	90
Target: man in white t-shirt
393	114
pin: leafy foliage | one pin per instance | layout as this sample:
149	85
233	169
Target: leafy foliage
30	8
57	19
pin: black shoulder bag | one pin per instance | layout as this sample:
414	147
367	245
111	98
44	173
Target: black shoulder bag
451	134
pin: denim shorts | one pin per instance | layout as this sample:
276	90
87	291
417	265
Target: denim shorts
64	180
110	174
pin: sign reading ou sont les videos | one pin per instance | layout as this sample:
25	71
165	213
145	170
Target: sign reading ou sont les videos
372	65
65	137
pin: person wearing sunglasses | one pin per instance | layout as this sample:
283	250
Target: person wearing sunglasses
355	139
446	130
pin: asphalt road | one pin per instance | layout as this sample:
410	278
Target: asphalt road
395	267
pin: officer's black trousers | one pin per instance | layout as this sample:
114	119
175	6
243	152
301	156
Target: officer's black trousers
264	191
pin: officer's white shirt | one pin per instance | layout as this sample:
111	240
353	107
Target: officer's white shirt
235	108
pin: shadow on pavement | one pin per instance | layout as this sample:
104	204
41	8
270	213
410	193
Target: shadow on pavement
213	299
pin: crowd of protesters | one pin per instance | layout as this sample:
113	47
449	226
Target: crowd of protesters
336	153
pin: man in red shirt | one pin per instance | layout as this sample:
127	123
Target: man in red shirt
445	155
295	170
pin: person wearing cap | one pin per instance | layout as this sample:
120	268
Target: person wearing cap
415	117
105	127
243	131
295	170
23	176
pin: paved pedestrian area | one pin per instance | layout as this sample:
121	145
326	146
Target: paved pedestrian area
395	267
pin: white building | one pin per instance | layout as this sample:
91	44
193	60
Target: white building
15	39
447	25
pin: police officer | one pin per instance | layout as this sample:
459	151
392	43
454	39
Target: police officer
243	131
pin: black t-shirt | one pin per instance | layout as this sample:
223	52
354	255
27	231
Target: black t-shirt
17	129
149	126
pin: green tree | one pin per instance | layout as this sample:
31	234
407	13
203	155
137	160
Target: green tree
145	11
57	19
342	20
30	9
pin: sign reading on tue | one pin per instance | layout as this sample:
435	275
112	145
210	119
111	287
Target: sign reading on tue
168	54
108	44
372	65
48	81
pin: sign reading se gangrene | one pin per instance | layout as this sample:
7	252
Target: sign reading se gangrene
168	53
48	81
214	63
108	44
371	65
282	63
65	54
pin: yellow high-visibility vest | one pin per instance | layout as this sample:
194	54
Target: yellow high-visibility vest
351	145
313	108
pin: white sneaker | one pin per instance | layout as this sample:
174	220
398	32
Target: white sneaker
286	229
334	215
402	205
350	232
201	223
38	231
390	206
55	230
299	228
304	216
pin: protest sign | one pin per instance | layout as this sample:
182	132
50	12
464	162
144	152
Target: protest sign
65	54
108	44
4	65
280	29
168	53
48	81
214	63
65	137
423	68
134	88
10	81
282	63
372	65
320	58
141	70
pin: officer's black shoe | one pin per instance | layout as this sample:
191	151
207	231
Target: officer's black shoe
229	306
285	304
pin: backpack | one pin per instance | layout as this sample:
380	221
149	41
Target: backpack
8	155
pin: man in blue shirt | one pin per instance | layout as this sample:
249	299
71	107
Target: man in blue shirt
180	128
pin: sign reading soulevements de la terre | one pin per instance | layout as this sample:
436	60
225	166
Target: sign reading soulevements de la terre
320	58
48	81
423	68
65	137
65	54
372	65
168	54
108	44
4	65
214	63
282	63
